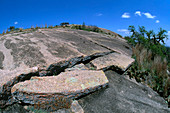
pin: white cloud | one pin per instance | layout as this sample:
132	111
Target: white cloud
126	31
138	13
157	21
168	32
167	42
126	15
15	23
148	15
99	14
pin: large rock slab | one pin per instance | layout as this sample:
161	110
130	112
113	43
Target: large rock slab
56	92
114	59
123	95
44	47
114	43
9	78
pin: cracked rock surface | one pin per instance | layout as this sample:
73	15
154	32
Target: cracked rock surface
66	71
60	89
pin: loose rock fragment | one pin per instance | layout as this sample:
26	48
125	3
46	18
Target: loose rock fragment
57	92
114	59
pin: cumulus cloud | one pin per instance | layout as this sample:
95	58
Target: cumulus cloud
15	23
148	15
169	33
167	42
157	21
126	15
126	31
99	14
138	13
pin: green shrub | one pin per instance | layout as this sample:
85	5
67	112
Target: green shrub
3	33
37	27
50	26
64	24
12	28
86	28
151	62
45	25
7	31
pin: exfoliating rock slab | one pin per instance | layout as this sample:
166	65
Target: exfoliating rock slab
9	78
57	92
114	59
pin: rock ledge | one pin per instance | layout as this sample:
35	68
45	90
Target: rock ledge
58	91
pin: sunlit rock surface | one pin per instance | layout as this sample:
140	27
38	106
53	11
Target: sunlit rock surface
50	53
115	59
41	91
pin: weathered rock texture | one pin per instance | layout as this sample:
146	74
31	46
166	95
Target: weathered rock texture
115	59
53	51
9	78
123	96
77	67
57	91
46	46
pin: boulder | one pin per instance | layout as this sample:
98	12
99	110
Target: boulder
56	92
9	78
113	60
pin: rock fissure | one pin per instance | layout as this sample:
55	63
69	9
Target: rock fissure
59	88
82	68
53	69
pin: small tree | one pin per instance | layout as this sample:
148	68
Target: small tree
32	27
162	35
37	27
45	25
83	26
7	31
3	32
12	28
20	29
64	24
149	34
150	65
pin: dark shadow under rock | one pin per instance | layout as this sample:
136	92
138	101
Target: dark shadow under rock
16	108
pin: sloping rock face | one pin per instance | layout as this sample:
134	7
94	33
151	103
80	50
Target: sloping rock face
52	56
46	46
57	91
123	96
22	51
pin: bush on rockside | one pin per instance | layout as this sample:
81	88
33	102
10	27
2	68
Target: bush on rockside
151	59
87	28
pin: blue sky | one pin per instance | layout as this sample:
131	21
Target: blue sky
115	15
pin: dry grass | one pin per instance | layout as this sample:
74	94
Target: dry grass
155	68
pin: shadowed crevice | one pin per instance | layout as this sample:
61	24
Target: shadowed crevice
1	59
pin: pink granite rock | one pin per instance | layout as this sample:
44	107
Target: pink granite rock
59	90
114	59
9	78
